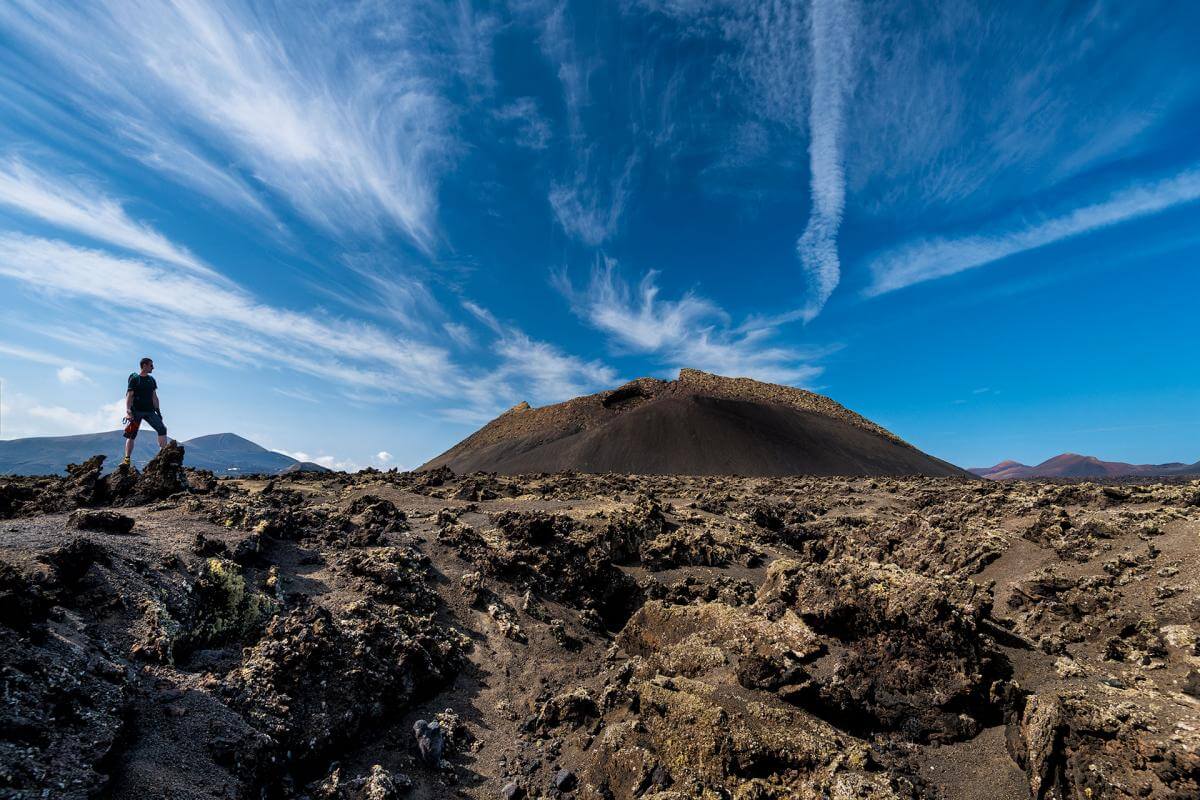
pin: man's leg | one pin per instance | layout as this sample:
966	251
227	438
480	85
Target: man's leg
134	424
156	422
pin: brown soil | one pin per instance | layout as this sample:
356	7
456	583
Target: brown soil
597	636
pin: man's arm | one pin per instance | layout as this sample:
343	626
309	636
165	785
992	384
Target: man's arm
156	408
128	403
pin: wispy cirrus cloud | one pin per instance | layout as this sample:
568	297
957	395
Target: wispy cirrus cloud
82	208
295	394
224	320
68	372
590	207
592	194
471	32
153	142
927	259
688	332
531	129
545	373
831	28
222	323
390	291
968	108
24	415
354	138
956	111
30	354
796	64
487	318
551	373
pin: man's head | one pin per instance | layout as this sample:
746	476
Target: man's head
147	365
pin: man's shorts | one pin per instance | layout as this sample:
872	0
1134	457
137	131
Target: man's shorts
152	417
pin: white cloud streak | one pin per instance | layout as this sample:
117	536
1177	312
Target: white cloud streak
798	62
220	319
354	138
484	316
167	152
546	373
224	324
67	421
531	129
831	29
69	375
23	415
84	209
589	201
27	354
964	111
688	332
638	319
590	208
927	259
552	373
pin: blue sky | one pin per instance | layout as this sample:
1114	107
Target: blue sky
357	231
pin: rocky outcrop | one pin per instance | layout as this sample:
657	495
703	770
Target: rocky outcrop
692	715
1072	745
315	680
63	702
161	478
104	521
905	652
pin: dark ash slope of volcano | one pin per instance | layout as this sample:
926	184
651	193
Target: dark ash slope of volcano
700	424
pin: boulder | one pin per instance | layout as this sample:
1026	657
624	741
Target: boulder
104	521
905	652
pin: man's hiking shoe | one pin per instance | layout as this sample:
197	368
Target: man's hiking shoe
125	461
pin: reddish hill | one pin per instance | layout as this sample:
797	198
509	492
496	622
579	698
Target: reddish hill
1073	465
700	424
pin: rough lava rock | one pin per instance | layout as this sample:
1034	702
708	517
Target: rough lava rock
656	637
315	680
105	521
905	652
63	705
162	477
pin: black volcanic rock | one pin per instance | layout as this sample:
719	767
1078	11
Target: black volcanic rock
700	424
641	636
106	521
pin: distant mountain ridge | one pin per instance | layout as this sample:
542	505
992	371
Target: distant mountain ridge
1073	465
223	453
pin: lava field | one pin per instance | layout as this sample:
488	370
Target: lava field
431	635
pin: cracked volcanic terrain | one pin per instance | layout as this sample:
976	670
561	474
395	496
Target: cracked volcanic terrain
433	635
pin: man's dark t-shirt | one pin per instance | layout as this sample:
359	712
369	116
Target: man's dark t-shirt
143	392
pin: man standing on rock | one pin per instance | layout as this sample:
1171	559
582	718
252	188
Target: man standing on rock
141	403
